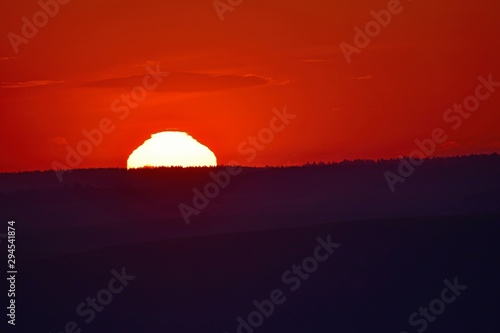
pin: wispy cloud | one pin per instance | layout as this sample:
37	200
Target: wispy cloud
366	77
191	82
151	63
451	144
493	144
28	84
314	60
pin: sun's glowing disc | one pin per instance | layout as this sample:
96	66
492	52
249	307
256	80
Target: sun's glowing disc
171	148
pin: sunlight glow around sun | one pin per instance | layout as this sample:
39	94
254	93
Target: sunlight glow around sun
171	148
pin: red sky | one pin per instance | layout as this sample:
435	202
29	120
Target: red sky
227	76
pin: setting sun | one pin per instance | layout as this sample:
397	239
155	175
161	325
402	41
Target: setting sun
171	148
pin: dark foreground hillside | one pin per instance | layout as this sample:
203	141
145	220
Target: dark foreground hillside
110	250
381	273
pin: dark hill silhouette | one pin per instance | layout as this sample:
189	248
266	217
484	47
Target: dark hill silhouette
396	248
115	205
